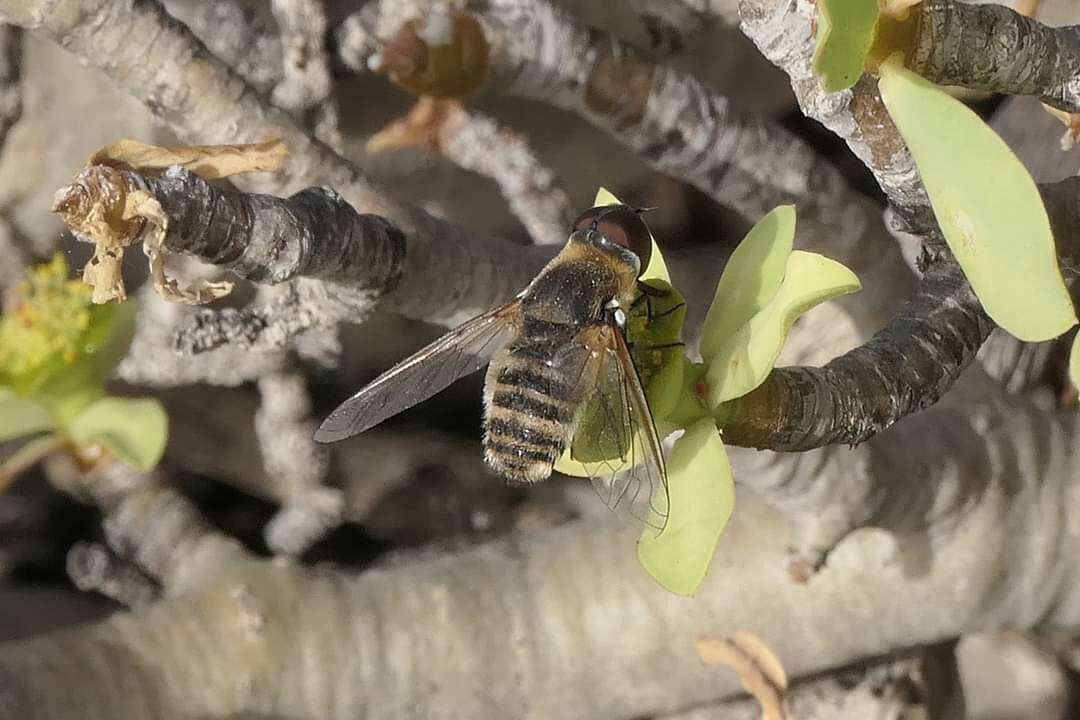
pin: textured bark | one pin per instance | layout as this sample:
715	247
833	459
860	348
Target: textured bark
994	48
785	31
301	307
152	359
244	39
673	25
906	367
267	239
306	86
10	78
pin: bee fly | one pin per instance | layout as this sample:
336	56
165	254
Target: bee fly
558	363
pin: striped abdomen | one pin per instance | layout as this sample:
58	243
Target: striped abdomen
529	413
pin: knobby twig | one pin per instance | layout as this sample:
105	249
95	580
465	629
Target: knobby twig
298	308
477	143
295	465
672	25
906	367
93	568
241	37
672	120
994	48
152	359
306	86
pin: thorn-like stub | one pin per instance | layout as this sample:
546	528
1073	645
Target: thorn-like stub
93	205
619	86
419	128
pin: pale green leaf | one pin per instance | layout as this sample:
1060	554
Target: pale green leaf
844	38
21	416
701	494
746	358
987	205
134	430
751	278
657	269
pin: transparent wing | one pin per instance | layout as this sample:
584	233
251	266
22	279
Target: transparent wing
462	351
615	438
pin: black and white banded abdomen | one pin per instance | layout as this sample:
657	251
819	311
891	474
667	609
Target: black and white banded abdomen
529	411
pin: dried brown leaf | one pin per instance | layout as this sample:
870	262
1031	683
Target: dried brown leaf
142	204
94	205
210	162
101	205
757	666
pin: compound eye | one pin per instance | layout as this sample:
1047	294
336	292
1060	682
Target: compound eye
587	219
619	225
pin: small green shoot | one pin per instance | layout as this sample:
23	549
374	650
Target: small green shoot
745	358
57	349
751	278
845	35
133	430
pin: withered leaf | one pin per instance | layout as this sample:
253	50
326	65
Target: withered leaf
757	666
210	162
142	204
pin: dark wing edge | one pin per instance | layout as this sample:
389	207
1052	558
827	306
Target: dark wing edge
653	509
460	352
637	483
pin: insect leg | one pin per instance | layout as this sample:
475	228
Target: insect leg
667	312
